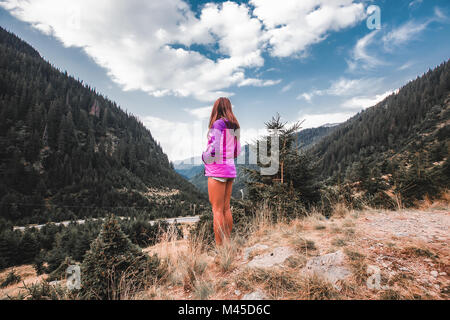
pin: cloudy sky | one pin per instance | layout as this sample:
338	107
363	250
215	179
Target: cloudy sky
166	61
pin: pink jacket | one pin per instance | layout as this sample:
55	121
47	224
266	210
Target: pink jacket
223	148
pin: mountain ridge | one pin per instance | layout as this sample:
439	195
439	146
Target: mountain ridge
68	152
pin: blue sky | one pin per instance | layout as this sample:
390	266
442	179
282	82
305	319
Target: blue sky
167	61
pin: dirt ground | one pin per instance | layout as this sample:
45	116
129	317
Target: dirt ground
409	249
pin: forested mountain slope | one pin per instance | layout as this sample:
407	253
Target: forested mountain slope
405	137
66	151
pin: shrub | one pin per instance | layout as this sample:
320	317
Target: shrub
11	278
114	268
44	291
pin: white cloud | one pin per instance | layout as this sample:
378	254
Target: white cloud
258	82
317	120
307	96
182	140
361	58
287	87
179	140
403	34
415	3
295	25
405	66
439	15
409	30
144	45
363	102
200	113
345	87
147	45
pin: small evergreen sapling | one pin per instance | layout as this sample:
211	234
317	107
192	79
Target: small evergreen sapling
115	268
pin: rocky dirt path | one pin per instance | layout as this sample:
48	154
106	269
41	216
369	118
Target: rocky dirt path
378	254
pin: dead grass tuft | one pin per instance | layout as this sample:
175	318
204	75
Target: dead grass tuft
340	210
284	284
203	290
302	245
419	252
358	265
391	294
226	255
317	288
339	243
320	227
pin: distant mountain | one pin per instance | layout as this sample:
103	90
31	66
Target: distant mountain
189	168
68	152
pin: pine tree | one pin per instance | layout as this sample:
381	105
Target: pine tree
29	248
5	252
114	266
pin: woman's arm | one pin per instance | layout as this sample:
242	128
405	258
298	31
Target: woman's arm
214	135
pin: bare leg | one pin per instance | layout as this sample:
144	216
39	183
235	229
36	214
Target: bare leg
216	190
227	210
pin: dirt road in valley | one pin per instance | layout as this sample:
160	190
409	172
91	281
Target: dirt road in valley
82	221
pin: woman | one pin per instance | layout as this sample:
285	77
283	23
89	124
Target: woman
223	148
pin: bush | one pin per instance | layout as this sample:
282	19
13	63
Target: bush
12	278
44	291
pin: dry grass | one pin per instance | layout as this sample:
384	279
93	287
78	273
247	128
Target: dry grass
261	223
285	284
320	226
203	290
420	252
226	255
183	261
339	242
340	210
314	218
301	244
192	269
358	265
441	202
28	277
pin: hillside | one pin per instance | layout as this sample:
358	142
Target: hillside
407	130
68	152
